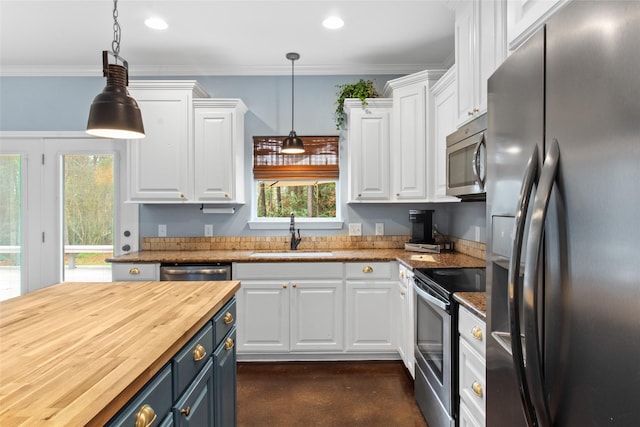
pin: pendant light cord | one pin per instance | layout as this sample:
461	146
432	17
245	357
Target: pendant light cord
292	94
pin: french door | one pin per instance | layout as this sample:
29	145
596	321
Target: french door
62	201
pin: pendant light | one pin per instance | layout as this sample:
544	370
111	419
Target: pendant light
114	113
292	144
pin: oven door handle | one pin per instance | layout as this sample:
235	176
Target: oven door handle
446	306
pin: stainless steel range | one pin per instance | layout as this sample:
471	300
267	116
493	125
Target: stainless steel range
436	346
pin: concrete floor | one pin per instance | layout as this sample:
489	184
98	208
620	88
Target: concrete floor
314	394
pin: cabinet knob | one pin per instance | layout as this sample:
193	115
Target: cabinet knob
284	286
228	318
476	109
477	333
477	388
397	194
228	344
186	411
181	196
470	113
294	285
199	353
145	416
402	274
226	195
402	293
134	271
359	195
367	269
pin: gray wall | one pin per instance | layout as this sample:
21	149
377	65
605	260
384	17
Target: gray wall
62	104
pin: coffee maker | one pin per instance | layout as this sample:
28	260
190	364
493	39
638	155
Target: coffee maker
421	222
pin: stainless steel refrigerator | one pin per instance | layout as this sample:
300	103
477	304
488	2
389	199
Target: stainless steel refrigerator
563	214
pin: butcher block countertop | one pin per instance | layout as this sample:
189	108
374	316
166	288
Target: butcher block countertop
410	259
73	354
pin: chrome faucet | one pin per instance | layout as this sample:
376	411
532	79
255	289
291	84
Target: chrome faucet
295	241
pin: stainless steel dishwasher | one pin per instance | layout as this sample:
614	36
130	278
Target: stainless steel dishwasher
191	272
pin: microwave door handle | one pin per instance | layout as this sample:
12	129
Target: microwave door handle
477	160
513	296
531	283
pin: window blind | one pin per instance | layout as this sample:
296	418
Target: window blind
319	161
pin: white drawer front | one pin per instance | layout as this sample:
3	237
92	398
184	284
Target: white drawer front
133	272
472	381
369	270
473	330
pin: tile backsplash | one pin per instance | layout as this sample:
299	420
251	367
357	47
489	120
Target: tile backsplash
309	243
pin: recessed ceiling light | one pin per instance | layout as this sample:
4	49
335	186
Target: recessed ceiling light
156	23
333	23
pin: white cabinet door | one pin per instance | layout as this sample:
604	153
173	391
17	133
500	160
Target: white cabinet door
368	149
409	153
465	46
480	46
219	150
159	165
263	317
444	123
405	319
370	316
316	316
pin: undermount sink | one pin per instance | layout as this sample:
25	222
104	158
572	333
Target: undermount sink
291	254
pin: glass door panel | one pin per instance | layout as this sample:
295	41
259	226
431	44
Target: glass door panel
10	225
88	206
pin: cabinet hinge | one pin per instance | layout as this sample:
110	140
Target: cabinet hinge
42	159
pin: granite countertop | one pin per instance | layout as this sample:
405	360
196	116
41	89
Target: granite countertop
74	353
475	302
409	259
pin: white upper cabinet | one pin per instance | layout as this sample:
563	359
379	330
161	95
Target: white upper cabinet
194	146
524	17
444	123
159	164
368	145
480	46
219	150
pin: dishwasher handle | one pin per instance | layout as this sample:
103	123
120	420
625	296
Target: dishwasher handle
204	270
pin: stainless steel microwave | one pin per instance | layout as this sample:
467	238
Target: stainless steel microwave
467	159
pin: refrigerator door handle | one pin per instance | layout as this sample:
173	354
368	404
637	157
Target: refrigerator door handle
530	287
477	160
513	296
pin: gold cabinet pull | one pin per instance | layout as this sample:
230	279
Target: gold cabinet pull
228	344
186	411
367	269
228	318
294	285
199	353
134	270
284	286
402	293
477	333
477	388
145	416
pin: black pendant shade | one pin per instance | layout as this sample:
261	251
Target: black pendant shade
292	144
114	113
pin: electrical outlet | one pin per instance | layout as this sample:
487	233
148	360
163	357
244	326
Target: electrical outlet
355	229
162	230
208	230
477	232
379	228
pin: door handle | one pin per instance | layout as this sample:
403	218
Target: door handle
530	287
476	162
513	296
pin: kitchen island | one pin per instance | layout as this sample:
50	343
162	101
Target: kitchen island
76	353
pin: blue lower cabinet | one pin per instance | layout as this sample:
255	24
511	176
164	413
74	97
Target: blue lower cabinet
168	421
150	405
224	377
195	407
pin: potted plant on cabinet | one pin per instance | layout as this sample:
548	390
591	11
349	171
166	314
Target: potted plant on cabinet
362	90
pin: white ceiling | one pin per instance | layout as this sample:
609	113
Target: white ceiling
216	37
